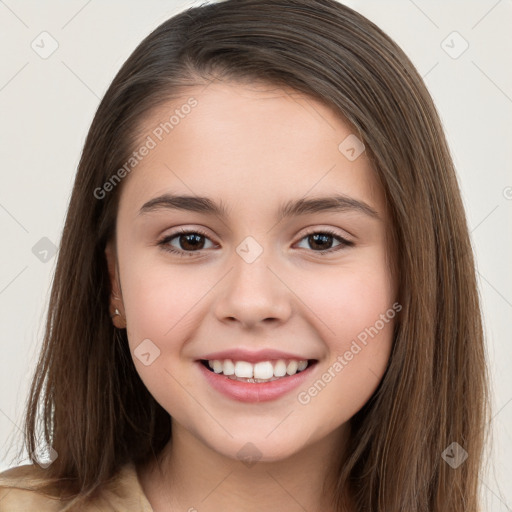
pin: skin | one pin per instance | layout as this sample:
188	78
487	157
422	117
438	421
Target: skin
253	147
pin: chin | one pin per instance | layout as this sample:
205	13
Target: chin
251	447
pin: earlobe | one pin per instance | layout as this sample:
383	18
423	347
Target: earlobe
116	302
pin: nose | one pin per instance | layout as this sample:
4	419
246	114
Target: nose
253	293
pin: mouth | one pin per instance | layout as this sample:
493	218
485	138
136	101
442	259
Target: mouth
260	372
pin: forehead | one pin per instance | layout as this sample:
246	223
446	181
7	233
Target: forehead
246	143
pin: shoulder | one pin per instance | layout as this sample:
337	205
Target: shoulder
20	491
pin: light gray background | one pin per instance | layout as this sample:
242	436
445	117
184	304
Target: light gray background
48	104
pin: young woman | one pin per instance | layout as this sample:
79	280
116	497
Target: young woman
265	295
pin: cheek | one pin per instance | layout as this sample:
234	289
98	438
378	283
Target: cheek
160	298
162	303
348	299
356	313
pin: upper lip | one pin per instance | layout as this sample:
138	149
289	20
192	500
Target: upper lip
238	354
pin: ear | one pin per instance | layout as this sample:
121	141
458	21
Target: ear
116	297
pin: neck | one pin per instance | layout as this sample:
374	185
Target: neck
188	475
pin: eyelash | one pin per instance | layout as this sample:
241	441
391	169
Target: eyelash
164	242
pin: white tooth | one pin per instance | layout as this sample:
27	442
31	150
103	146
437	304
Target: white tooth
280	368
210	364
291	369
263	370
244	369
302	365
217	366
228	368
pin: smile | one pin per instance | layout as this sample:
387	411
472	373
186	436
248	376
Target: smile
263	371
255	382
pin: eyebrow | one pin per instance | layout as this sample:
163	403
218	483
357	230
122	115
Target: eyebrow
334	203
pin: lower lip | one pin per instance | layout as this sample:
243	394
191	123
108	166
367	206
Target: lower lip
254	392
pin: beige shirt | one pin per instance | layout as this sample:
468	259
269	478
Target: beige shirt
122	494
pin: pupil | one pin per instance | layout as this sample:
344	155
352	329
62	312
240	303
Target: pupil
323	236
193	245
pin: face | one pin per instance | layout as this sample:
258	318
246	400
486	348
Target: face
256	288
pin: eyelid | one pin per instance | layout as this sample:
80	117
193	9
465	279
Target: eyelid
319	228
344	242
311	230
184	231
308	230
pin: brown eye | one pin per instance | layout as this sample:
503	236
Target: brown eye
321	241
191	241
188	242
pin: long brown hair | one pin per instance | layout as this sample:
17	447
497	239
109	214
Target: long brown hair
96	412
